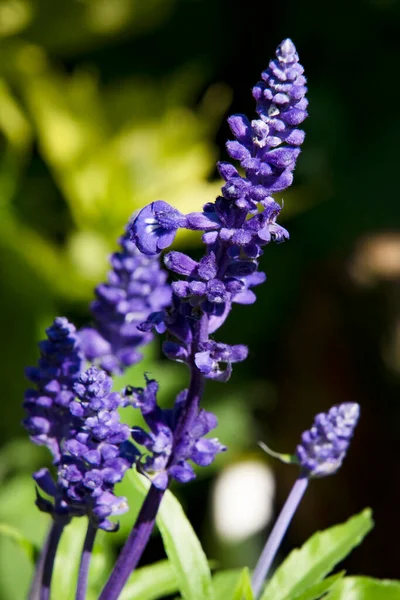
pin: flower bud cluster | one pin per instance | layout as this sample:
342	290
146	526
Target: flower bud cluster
168	455
136	287
94	457
236	226
48	418
324	446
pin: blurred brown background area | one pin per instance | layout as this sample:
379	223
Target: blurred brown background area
106	105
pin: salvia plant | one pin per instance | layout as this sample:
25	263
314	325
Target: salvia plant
73	409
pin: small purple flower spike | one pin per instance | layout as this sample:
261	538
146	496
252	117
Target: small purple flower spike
60	364
320	453
95	456
324	446
136	288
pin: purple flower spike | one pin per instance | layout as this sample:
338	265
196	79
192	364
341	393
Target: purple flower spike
94	456
48	418
155	227
136	288
324	446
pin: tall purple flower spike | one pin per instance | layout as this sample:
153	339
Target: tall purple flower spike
48	418
95	456
136	287
321	453
236	227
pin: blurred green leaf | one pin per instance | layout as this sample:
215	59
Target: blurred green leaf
243	590
13	534
365	588
316	591
317	557
224	583
149	583
181	545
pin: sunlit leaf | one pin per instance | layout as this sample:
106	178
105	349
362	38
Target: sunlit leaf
13	534
364	588
149	583
181	545
317	557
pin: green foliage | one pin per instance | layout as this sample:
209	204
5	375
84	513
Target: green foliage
243	590
181	545
317	557
14	534
149	583
322	587
364	588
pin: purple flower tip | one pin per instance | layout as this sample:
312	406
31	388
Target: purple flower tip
324	446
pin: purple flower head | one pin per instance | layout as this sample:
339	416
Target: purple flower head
136	287
95	456
48	418
168	454
154	228
324	446
236	226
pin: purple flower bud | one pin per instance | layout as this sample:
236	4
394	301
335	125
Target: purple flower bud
325	445
136	288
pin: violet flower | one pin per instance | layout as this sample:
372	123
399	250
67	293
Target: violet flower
136	287
48	418
95	455
235	229
321	453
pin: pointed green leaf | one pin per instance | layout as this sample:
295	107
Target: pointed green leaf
181	545
317	557
149	583
319	589
243	590
13	534
224	583
365	588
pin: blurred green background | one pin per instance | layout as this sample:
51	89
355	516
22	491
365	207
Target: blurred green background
106	105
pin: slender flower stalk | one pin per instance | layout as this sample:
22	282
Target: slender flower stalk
277	534
320	453
140	534
134	546
34	592
85	562
54	539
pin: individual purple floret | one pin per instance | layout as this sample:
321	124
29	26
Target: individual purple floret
324	446
168	456
136	287
95	456
49	419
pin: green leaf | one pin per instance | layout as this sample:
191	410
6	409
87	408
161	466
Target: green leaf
319	589
224	583
317	557
243	590
13	534
68	555
365	588
149	583
181	545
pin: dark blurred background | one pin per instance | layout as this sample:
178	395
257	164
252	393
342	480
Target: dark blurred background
106	105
